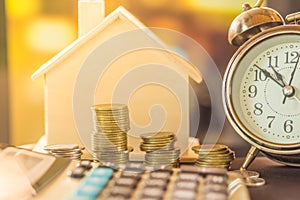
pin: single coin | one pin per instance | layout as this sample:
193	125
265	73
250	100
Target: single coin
229	156
247	174
67	155
115	106
212	166
209	148
158	135
61	147
150	145
67	151
255	182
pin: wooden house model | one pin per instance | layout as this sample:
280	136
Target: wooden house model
115	59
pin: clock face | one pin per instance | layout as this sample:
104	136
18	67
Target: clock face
264	87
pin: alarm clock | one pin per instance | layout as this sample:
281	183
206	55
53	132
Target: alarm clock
261	86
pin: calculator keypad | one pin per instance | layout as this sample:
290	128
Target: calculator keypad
135	183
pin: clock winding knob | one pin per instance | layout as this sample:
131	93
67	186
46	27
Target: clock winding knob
251	22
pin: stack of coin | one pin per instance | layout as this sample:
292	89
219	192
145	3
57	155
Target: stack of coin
71	151
216	155
109	138
111	118
160	149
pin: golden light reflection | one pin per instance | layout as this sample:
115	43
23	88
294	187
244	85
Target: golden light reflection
154	3
21	8
49	34
218	5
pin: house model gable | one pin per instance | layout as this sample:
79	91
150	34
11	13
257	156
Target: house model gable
122	18
62	71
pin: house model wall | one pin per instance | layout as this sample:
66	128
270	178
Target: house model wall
132	69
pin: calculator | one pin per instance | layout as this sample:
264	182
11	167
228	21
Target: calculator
88	180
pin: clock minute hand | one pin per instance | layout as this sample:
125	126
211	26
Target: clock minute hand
294	70
268	74
292	77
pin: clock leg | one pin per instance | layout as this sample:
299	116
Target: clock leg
252	153
251	178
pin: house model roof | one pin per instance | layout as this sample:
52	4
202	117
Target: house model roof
123	14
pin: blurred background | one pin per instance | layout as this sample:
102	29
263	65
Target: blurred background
33	31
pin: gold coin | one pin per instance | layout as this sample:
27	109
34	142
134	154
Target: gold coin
113	121
159	156
209	148
102	134
162	156
213	162
213	153
110	135
159	135
156	145
111	131
217	157
163	151
155	141
110	149
152	149
104	107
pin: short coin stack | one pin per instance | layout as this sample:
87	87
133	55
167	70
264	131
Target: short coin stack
160	149
216	155
109	139
71	151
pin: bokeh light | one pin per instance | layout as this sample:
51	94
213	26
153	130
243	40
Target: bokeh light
21	8
49	34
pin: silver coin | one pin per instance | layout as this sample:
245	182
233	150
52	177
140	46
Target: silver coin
67	151
254	182
247	174
61	147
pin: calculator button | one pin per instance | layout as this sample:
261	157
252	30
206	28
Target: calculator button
86	164
130	182
216	179
121	191
153	192
184	176
88	191
186	185
160	175
136	166
184	194
154	182
97	181
132	174
103	172
78	172
93	184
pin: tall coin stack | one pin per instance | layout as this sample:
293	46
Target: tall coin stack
217	155
160	149
109	139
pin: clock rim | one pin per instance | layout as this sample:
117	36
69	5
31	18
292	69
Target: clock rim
231	115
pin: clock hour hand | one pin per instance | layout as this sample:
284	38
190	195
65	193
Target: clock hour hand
269	75
278	75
